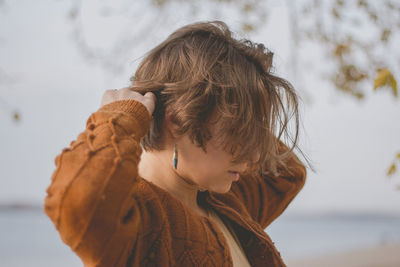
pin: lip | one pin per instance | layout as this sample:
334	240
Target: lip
234	175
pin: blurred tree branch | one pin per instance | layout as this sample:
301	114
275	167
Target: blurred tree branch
337	27
358	38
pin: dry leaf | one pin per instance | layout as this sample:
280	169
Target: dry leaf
391	170
16	116
247	27
386	78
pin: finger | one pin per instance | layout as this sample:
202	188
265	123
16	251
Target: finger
150	96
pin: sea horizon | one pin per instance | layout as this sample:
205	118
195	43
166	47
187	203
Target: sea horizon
344	214
30	238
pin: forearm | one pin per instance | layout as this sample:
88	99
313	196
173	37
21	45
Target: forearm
94	176
267	196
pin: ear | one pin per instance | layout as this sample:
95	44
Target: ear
170	125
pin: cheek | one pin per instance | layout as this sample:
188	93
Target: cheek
192	162
209	169
212	173
203	167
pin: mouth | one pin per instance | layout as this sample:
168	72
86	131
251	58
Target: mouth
234	175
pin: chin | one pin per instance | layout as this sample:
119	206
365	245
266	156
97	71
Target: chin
222	189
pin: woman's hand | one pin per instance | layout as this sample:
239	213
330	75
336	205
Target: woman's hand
148	100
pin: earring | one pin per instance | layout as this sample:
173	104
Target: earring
175	157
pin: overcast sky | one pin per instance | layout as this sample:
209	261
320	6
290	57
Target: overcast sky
45	77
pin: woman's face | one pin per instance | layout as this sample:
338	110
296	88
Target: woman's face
212	170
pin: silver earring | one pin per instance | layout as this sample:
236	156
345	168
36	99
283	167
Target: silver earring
175	157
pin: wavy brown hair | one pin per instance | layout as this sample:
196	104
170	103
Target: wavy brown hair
201	71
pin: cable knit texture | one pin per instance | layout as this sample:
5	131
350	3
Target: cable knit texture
110	216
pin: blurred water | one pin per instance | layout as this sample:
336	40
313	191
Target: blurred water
304	237
28	238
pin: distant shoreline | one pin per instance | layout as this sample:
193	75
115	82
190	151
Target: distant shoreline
379	256
346	215
341	215
20	207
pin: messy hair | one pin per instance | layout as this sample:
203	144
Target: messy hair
201	71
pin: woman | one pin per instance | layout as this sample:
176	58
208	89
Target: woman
185	167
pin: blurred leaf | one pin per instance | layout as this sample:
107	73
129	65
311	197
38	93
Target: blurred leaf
159	3
247	27
391	170
386	78
16	116
398	156
73	13
358	95
341	49
248	7
339	2
348	79
373	16
385	35
390	5
398	187
362	3
335	13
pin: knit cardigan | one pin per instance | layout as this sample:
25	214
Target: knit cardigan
110	216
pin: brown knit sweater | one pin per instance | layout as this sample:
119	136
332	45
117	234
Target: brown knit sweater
110	216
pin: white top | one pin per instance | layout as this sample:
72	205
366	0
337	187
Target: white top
238	256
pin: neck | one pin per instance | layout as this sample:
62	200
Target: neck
157	167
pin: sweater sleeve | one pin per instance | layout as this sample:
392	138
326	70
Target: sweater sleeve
90	198
267	196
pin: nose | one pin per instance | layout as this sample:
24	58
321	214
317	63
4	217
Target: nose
254	159
244	165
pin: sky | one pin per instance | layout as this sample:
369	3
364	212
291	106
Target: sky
55	88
